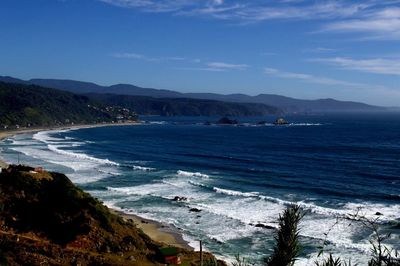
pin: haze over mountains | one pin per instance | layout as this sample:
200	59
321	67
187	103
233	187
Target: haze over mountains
286	104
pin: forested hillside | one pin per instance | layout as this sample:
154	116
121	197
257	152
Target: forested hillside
184	106
30	105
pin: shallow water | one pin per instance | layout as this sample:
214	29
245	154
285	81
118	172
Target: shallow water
238	176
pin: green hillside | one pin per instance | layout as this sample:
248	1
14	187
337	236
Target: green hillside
184	106
30	105
46	220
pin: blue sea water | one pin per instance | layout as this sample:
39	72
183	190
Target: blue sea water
332	166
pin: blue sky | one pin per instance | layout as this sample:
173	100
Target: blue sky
347	50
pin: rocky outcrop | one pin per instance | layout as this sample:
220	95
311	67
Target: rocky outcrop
280	121
177	198
227	121
46	220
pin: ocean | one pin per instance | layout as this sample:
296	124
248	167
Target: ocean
237	177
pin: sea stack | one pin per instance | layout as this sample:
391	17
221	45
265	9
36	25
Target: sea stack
226	121
280	121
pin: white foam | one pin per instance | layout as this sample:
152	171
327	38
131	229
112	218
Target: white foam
305	124
109	172
234	217
197	184
366	209
235	193
369	210
191	174
166	188
44	146
80	156
44	136
142	168
156	122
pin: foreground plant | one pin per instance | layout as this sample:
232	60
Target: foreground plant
287	239
331	261
241	261
382	255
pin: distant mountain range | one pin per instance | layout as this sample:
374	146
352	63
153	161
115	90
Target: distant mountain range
27	105
286	104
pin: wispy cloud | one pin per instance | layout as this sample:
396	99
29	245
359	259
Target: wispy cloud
146	58
317	79
320	50
383	24
218	67
248	10
268	54
377	65
226	66
379	18
211	66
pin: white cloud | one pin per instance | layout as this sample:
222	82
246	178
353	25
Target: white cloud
317	79
216	66
226	66
256	10
211	66
202	69
146	58
320	50
379	90
381	24
129	55
377	65
218	2
163	5
379	19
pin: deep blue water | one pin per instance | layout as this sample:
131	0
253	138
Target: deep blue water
239	176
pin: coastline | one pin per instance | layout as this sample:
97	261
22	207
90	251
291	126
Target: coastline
156	230
9	133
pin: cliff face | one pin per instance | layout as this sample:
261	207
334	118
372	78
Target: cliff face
46	220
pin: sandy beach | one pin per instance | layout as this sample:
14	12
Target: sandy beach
9	133
155	230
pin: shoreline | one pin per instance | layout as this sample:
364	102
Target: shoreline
156	230
9	133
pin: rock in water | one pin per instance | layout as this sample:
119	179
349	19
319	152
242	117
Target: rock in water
280	121
226	121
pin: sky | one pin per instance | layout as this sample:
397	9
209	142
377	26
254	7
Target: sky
347	50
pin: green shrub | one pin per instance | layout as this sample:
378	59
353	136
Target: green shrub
287	244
